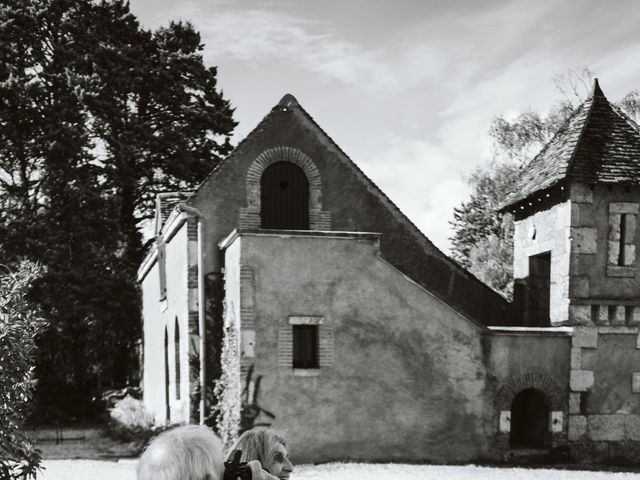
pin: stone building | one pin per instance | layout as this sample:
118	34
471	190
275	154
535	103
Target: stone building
330	316
575	264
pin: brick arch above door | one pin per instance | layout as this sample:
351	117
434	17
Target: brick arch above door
250	215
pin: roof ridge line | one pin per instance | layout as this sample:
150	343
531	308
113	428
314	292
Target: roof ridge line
420	234
231	154
622	114
592	98
563	128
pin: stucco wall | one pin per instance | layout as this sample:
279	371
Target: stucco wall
546	231
153	340
352	206
406	381
532	359
157	315
515	353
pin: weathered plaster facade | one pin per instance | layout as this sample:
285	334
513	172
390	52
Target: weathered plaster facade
390	352
164	314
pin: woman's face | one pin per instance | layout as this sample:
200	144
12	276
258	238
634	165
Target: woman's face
280	465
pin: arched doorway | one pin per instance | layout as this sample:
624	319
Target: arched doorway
529	419
284	197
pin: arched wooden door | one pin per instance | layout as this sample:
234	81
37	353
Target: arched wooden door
284	197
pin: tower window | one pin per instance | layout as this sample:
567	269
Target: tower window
623	218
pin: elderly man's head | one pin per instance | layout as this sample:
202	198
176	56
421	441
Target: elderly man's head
192	452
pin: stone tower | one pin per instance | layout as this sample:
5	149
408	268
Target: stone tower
576	210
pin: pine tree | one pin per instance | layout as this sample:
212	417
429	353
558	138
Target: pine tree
97	115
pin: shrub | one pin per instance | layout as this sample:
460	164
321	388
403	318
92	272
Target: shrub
20	323
130	422
130	414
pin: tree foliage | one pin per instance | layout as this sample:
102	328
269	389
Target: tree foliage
483	238
97	115
20	323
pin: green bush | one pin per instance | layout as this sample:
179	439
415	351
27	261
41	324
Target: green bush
20	323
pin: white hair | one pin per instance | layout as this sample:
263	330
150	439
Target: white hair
192	452
258	444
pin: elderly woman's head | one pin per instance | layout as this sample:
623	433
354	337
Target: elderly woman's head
192	452
268	447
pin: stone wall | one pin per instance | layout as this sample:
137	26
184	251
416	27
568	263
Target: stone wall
511	362
604	403
546	231
602	292
401	373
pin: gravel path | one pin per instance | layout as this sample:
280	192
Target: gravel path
126	470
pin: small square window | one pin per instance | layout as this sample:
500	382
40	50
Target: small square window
305	346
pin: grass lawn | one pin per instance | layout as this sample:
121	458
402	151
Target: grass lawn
126	470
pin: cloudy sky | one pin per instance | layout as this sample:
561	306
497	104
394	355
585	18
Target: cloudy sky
408	88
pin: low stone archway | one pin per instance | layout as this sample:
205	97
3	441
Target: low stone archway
531	407
529	420
534	380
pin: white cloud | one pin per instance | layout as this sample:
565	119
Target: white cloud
265	36
422	180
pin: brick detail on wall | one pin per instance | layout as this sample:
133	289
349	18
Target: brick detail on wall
285	346
538	381
192	228
250	215
193	322
325	349
247	298
325	341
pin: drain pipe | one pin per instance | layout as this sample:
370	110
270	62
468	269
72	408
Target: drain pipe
201	308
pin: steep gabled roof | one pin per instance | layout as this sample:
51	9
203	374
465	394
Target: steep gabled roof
597	144
457	274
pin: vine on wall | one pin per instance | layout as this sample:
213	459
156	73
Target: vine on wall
227	389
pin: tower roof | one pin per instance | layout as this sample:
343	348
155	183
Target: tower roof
597	144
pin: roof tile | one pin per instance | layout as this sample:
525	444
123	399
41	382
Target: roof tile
598	144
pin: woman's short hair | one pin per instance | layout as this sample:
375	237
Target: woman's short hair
258	444
191	452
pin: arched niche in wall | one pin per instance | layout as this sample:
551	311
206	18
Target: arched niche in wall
250	215
284	197
166	376
531	409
